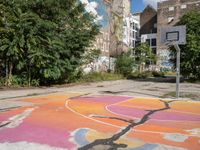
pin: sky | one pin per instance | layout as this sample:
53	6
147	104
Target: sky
98	8
138	5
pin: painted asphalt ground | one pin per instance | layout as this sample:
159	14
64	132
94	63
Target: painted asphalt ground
77	121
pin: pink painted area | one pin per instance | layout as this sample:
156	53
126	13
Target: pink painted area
104	99
129	112
4	117
163	115
37	134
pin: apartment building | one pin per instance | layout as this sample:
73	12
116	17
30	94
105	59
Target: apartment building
131	31
148	30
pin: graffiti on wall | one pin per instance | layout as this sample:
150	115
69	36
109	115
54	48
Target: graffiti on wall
165	64
101	64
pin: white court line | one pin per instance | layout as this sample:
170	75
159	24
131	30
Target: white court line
155	108
67	106
143	131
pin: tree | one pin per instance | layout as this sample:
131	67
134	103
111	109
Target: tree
44	39
190	53
144	56
124	64
91	55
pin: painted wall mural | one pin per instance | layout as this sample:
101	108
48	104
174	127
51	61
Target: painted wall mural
109	14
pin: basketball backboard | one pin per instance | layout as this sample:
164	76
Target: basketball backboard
173	35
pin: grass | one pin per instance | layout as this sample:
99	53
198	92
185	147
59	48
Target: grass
99	76
192	96
170	73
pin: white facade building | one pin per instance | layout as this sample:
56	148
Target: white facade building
131	31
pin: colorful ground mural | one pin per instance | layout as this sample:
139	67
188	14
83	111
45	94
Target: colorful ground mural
75	121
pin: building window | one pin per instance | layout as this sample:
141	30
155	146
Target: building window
184	6
155	25
170	19
154	50
134	26
133	43
153	42
134	35
171	8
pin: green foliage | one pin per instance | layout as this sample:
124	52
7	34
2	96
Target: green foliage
124	64
2	81
100	76
190	53
158	74
45	38
144	55
21	80
145	74
193	96
91	55
140	75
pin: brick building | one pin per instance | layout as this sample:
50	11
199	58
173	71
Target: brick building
148	20
168	14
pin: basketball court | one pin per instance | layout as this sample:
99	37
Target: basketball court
80	121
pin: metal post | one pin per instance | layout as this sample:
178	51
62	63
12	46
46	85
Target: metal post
110	35
177	71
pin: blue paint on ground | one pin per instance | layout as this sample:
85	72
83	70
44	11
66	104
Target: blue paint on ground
146	147
80	137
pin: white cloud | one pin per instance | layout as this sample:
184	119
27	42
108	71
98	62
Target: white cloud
91	8
152	2
94	4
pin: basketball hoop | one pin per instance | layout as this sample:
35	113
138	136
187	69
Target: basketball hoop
174	36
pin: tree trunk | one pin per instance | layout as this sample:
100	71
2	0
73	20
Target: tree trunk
6	81
29	76
10	73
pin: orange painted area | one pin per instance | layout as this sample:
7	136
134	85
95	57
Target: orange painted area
161	129
189	106
146	103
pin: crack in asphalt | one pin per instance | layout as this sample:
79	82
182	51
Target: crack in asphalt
8	109
111	141
5	124
114	118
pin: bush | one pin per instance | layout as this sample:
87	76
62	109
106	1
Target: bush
21	80
124	65
2	81
100	76
138	75
158	74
